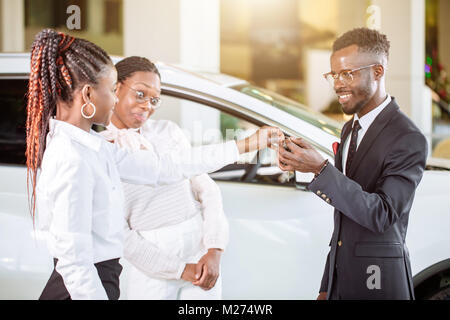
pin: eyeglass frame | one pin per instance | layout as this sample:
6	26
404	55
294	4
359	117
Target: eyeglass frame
350	71
146	99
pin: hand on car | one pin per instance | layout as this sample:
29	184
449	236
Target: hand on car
208	269
301	157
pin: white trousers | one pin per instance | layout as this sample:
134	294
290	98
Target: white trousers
185	241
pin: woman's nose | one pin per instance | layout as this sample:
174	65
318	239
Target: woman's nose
146	106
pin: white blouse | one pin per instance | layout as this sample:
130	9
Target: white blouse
148	207
80	200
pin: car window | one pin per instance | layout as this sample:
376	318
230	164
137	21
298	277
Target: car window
203	124
12	121
292	107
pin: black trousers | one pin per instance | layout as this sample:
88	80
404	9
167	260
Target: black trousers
108	271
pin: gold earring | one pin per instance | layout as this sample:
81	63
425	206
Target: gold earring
93	113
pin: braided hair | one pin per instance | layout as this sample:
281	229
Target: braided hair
60	64
128	66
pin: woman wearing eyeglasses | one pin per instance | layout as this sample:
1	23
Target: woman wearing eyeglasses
175	234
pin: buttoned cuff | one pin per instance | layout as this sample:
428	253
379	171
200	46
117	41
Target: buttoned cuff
320	183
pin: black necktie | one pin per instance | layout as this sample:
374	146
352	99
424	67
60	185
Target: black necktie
352	147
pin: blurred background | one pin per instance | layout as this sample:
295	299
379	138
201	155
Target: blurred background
281	45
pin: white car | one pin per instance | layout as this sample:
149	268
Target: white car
279	231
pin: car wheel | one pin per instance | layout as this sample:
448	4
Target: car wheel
443	294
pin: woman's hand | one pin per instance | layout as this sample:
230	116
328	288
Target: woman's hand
208	267
189	272
265	137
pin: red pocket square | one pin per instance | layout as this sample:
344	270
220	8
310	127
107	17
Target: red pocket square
335	147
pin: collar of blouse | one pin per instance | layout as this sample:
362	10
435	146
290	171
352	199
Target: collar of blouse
131	139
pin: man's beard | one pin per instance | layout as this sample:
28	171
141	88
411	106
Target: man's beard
356	109
364	92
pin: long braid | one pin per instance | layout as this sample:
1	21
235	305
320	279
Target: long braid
59	65
34	99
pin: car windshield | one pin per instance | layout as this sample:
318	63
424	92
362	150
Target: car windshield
292	107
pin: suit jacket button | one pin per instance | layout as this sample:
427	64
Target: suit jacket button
324	196
328	200
340	243
319	192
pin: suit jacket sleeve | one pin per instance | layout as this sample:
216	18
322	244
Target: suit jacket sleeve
326	272
402	171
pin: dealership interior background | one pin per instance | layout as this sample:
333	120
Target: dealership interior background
282	45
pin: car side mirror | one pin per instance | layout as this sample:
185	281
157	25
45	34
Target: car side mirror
302	180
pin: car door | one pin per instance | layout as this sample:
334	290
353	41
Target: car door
279	233
25	264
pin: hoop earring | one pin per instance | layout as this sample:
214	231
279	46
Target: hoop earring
93	113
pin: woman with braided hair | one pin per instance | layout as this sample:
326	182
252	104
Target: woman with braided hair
75	174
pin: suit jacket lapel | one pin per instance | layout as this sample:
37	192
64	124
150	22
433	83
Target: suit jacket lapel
374	130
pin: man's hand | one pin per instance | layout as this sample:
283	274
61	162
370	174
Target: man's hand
322	296
208	268
265	137
303	157
189	273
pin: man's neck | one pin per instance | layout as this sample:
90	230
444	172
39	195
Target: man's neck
376	101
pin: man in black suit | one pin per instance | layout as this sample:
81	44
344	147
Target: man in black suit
378	165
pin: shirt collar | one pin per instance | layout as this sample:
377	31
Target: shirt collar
112	127
366	120
91	140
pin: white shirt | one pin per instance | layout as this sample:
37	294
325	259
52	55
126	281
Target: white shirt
80	200
148	208
365	122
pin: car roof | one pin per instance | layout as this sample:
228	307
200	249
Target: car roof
19	64
216	77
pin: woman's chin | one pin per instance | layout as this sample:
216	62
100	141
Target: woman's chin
136	124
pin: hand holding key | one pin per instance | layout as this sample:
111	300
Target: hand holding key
265	137
299	155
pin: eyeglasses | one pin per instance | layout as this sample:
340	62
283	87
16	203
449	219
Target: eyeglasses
142	99
345	76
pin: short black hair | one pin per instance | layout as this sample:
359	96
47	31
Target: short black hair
128	66
368	40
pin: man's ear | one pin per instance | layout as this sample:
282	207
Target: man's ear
86	93
379	71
